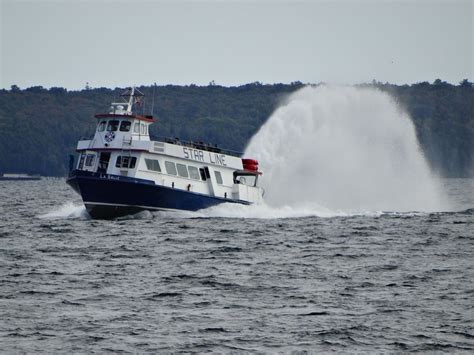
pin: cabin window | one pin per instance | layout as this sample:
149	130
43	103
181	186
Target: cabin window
126	162
170	168
193	172
218	177
252	181
153	164
113	125
101	127
142	130
203	174
81	161
182	170
136	128
125	126
249	180
90	159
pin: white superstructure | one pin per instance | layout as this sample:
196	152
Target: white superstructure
121	146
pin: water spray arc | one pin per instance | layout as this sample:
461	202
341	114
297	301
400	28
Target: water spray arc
345	149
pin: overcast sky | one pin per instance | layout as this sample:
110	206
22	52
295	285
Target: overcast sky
120	43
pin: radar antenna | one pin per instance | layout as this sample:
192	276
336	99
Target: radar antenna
131	96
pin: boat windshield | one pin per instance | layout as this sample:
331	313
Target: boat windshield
101	127
113	125
125	126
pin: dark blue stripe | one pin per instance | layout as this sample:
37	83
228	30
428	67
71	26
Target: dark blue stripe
121	190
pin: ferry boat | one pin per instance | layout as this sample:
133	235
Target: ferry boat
122	171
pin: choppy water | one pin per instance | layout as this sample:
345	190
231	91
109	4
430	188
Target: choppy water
199	282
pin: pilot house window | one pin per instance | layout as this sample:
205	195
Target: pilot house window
101	126
125	126
113	125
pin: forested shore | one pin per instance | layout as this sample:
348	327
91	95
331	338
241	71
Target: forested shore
40	127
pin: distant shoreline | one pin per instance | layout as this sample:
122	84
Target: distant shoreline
41	127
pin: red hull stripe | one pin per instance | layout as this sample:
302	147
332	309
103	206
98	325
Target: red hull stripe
111	149
136	117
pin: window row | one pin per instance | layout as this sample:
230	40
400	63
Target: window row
183	170
191	171
122	126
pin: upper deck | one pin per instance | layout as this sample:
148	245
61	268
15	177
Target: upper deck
173	147
125	131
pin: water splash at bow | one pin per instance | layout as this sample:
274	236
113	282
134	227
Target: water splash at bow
68	210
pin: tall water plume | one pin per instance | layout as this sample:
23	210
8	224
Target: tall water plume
344	149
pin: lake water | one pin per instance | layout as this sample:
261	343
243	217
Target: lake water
223	281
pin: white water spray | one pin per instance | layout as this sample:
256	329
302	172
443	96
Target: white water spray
67	210
345	150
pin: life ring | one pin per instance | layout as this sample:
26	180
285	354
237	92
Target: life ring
251	167
249	161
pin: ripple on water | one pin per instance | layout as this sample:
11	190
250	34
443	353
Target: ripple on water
385	282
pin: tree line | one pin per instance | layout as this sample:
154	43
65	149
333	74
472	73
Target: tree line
40	127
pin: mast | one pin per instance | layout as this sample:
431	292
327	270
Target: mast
130	100
131	96
153	100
